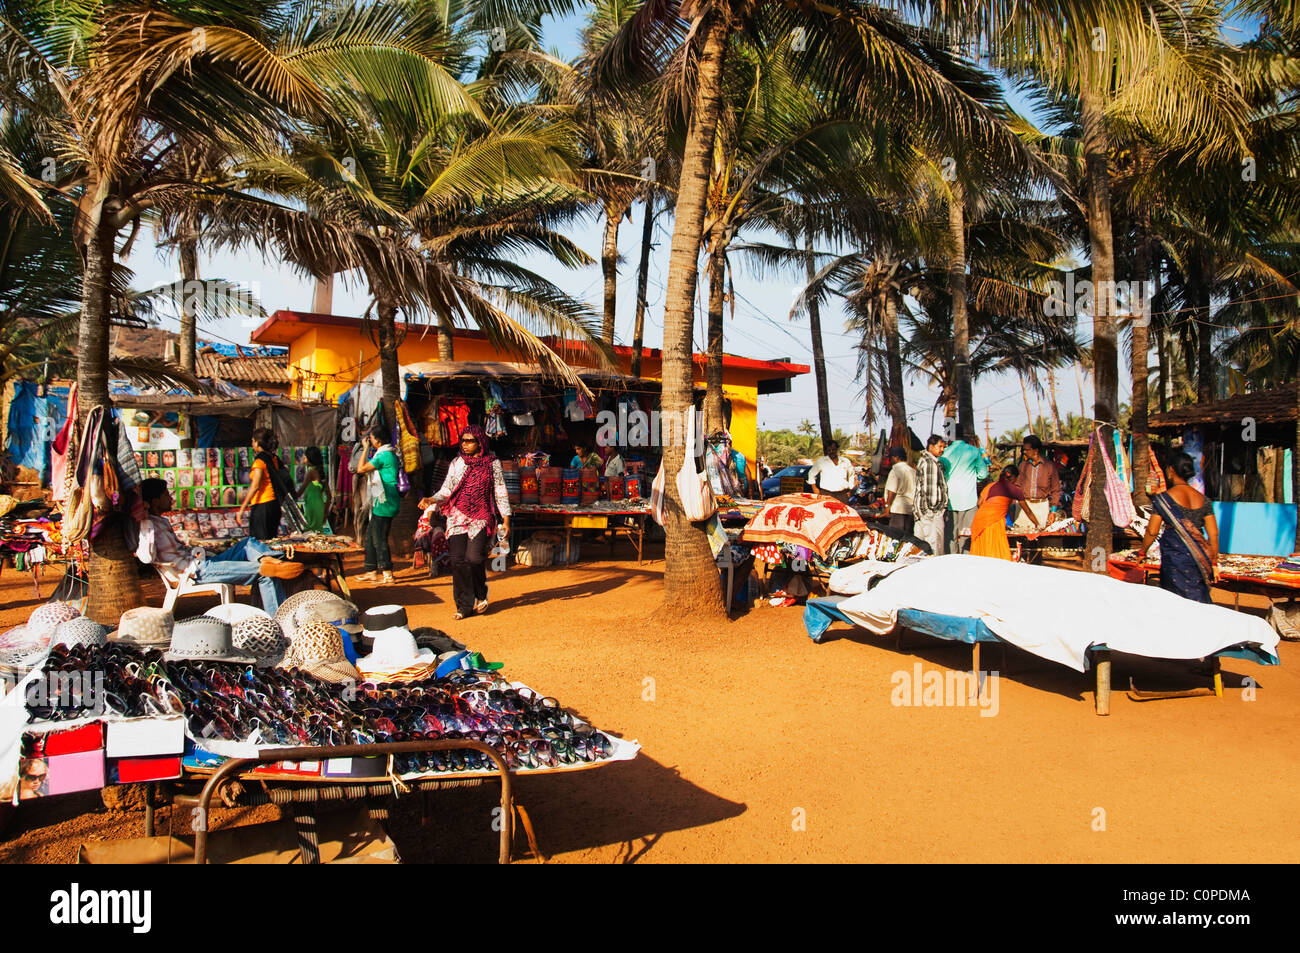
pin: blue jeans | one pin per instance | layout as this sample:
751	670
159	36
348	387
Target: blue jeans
239	565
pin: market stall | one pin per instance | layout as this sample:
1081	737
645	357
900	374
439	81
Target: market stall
533	424
275	701
1276	578
1074	619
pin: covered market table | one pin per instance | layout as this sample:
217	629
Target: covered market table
629	516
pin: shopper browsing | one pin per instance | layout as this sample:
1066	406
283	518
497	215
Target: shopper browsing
930	502
267	486
900	487
831	474
381	464
964	466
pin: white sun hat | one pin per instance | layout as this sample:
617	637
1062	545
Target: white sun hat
394	650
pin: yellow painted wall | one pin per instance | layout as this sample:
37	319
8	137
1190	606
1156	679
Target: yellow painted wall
325	358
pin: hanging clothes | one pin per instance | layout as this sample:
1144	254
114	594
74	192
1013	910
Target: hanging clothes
453	417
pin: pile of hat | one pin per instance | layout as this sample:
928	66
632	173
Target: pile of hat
394	655
23	646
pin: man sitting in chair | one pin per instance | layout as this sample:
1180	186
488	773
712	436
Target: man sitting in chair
249	562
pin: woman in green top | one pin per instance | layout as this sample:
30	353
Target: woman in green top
382	466
314	494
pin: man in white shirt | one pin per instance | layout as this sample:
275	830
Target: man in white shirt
899	487
832	475
250	562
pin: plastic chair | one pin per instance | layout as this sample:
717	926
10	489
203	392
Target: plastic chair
184	585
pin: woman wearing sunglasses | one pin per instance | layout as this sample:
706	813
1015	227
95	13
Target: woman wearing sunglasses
471	498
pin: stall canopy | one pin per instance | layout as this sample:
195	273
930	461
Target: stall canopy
294	423
371	388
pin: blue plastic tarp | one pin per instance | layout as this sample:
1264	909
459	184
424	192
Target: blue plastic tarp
818	614
1256	529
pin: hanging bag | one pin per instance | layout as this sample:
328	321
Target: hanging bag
1080	505
693	486
658	491
1118	497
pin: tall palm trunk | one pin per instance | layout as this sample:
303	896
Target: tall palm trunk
1024	394
1141	397
642	283
389	374
960	323
690	576
1105	350
714	418
609	267
189	252
1056	411
1200	294
894	397
402	532
113	583
1162	356
818	350
446	346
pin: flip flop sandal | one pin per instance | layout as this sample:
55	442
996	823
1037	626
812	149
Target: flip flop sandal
480	607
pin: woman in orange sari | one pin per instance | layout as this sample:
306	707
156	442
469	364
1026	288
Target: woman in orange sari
988	532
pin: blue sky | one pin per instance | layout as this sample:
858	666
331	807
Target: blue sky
761	329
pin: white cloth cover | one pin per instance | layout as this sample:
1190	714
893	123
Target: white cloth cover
1058	613
852	580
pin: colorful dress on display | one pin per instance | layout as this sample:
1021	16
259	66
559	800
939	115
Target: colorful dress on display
988	531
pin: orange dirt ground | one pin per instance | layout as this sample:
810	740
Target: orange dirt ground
752	727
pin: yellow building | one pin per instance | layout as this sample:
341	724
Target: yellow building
330	353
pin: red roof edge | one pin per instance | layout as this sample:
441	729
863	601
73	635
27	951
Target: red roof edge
777	368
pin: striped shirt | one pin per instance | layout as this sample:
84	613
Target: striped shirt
931	487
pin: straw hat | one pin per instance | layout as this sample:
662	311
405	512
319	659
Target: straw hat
204	638
292	613
145	627
261	637
44	618
79	631
233	612
317	648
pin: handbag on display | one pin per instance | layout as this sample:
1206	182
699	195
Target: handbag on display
693	487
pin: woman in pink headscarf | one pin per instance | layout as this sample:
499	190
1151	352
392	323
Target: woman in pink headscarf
471	497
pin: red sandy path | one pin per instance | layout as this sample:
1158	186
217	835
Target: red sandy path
751	721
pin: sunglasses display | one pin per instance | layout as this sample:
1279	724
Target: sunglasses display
232	702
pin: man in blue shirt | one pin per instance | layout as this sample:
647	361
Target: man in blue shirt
964	465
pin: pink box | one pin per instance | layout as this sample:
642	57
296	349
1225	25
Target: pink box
69	773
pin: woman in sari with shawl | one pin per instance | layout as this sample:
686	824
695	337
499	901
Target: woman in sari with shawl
988	531
1189	543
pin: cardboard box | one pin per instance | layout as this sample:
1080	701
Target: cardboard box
357	767
69	773
146	737
138	770
75	740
